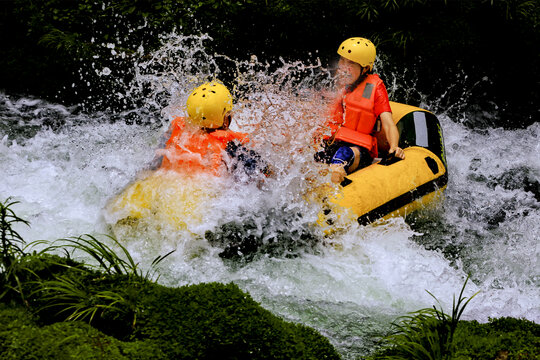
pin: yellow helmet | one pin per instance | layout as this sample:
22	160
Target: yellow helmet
207	104
359	50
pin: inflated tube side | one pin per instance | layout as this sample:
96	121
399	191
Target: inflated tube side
419	127
379	190
399	187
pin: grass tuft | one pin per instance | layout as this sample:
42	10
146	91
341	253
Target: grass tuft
108	260
11	250
428	334
75	298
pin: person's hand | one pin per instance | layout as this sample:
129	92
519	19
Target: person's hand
398	152
338	173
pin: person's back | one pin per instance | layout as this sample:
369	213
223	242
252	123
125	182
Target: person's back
199	142
191	149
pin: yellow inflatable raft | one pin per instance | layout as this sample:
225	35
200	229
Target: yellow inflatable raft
164	198
380	190
398	187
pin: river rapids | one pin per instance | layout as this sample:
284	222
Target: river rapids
64	166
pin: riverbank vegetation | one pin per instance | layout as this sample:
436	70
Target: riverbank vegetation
431	334
499	339
53	307
482	51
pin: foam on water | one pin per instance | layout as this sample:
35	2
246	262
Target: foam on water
349	286
493	211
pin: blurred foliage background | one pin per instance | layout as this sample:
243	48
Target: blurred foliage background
488	49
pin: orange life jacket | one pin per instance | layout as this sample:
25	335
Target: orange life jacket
191	150
353	118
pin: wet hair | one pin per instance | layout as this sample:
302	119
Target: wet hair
350	88
222	127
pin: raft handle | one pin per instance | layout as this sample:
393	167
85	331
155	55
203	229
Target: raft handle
432	164
389	160
345	182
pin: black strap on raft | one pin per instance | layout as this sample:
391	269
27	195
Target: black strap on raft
389	159
404	199
345	182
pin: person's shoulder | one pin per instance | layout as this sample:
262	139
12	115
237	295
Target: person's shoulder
179	121
230	135
376	77
240	136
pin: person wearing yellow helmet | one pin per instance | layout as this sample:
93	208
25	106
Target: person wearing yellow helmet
199	142
362	103
209	105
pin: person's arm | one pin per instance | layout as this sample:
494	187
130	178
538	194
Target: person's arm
249	161
384	111
392	134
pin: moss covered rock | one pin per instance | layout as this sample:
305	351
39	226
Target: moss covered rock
215	320
132	317
499	339
21	337
510	337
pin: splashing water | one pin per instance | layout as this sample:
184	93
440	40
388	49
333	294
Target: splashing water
65	167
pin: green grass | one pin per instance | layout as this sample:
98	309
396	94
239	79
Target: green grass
432	334
429	333
12	250
108	260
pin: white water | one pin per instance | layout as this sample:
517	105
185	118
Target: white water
63	168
